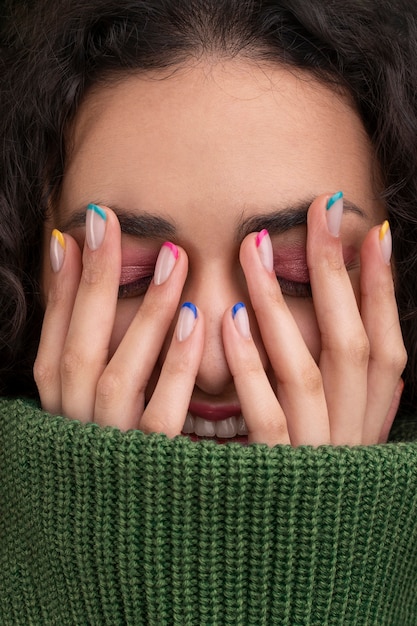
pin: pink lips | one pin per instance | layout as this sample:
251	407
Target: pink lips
214	413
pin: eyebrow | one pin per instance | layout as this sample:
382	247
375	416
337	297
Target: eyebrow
285	219
146	225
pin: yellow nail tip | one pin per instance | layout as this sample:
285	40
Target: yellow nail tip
59	237
383	230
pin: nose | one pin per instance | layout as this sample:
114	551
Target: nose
214	293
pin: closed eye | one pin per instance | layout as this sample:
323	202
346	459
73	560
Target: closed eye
135	280
294	288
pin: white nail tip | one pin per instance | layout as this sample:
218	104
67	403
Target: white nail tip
95	227
241	320
164	265
265	251
186	321
334	214
386	246
57	254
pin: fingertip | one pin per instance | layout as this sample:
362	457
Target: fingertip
187	321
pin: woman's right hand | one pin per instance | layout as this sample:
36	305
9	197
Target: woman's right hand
75	374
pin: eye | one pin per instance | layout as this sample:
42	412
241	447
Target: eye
294	288
134	281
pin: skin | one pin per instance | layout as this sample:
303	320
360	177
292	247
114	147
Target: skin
220	150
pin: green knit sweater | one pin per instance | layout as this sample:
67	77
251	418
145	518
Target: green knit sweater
102	527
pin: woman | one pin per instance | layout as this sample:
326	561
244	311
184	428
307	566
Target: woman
217	130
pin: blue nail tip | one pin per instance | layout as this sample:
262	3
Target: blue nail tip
236	308
333	199
98	210
191	306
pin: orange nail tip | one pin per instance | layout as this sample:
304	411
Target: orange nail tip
383	230
59	237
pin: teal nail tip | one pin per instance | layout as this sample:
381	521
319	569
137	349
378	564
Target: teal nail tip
98	210
235	309
191	306
337	196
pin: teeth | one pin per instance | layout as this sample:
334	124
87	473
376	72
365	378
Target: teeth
224	429
242	429
188	427
204	428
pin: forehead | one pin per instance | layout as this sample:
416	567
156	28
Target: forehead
230	134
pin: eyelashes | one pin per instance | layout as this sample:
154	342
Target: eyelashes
294	289
135	281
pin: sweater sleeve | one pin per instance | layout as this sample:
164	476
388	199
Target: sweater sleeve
103	527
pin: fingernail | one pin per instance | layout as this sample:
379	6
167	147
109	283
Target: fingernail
385	241
334	213
95	225
57	250
264	245
165	262
186	320
241	320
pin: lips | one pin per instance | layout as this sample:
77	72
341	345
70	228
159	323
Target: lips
221	422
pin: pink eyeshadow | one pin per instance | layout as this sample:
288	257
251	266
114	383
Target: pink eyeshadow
291	263
130	273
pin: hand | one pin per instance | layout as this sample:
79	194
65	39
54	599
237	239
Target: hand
351	395
72	370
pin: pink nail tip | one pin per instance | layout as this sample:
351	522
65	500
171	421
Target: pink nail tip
260	236
173	248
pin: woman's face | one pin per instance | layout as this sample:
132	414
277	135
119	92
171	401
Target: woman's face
203	156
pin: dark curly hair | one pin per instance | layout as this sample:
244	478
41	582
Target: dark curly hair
52	51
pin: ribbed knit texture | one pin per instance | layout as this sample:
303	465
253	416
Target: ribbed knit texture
104	528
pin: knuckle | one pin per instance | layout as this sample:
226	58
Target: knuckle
355	350
395	360
279	429
43	374
56	294
108	388
359	351
71	363
311	380
151	423
92	275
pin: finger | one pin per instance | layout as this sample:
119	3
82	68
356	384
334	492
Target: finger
344	343
299	384
85	352
380	317
261	410
64	281
167	409
121	388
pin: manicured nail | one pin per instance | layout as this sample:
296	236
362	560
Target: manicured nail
264	245
241	319
385	241
186	320
165	262
95	225
57	250
334	213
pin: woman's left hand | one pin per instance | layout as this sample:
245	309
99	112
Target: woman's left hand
350	396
